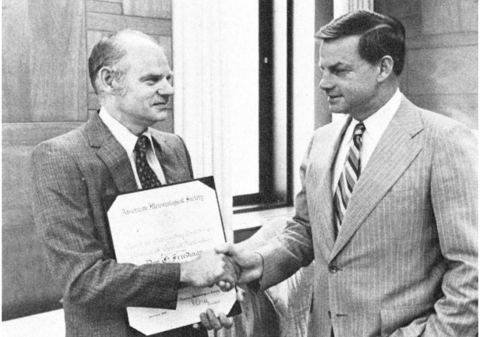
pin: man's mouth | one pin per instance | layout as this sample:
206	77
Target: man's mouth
333	97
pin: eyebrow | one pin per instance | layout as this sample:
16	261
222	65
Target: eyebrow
336	65
154	77
150	77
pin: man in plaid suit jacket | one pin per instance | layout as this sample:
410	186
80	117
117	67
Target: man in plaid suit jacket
74	173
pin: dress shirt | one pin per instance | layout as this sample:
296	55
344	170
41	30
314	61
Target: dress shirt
375	126
128	141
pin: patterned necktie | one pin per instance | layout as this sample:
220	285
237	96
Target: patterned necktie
348	178
147	177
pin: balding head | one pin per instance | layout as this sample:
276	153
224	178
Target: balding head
111	52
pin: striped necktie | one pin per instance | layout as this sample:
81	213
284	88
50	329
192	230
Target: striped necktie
348	177
147	177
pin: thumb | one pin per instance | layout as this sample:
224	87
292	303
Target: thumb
224	248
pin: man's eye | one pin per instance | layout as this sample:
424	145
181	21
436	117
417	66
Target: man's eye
340	71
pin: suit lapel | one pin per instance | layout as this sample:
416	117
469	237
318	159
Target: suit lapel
165	155
394	153
320	180
111	153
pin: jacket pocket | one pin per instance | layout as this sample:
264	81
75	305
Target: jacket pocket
409	321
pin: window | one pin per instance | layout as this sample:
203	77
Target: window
261	165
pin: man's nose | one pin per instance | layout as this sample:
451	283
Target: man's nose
165	88
326	81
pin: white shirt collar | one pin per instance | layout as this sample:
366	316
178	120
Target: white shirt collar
376	124
121	133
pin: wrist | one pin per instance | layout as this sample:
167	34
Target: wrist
254	286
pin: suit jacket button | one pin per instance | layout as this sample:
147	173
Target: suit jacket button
332	268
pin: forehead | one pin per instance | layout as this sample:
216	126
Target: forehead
146	57
343	50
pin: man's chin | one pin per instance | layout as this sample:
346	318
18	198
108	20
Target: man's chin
161	115
335	109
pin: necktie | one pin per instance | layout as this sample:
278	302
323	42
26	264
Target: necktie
147	177
348	177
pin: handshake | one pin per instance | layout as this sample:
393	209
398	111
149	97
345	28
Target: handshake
227	265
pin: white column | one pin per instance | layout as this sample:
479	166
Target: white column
341	7
303	82
354	5
201	39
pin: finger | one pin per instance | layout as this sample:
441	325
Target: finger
226	287
215	323
228	279
225	321
205	321
223	248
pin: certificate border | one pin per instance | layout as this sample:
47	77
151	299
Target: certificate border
108	201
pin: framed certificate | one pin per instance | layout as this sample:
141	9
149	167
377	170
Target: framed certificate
170	224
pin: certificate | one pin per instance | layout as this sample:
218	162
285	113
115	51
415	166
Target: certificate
170	224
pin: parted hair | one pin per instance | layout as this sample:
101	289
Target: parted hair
380	35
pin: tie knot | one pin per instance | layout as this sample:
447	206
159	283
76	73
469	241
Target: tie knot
142	144
357	134
359	129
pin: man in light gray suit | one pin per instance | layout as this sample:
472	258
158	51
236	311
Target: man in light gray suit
388	206
115	152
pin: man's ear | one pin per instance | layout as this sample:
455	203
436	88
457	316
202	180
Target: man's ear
385	67
106	79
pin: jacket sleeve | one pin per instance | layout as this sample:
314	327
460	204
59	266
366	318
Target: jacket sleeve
454	193
64	216
293	247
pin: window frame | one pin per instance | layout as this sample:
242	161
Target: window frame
272	194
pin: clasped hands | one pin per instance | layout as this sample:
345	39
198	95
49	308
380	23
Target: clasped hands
227	265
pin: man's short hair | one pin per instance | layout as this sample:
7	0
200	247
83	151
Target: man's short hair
380	35
108	52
